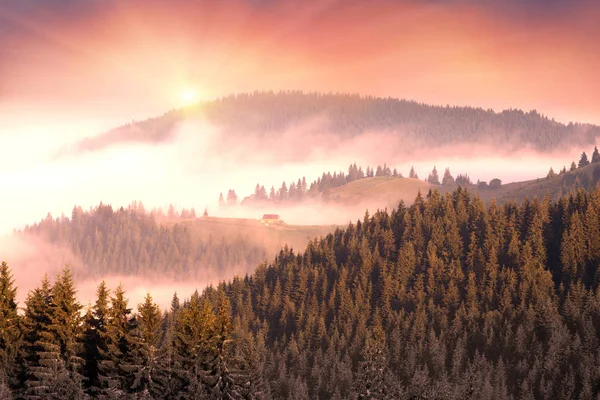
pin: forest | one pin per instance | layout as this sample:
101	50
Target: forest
444	299
297	192
421	127
132	241
319	189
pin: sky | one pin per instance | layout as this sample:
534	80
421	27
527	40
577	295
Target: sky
70	69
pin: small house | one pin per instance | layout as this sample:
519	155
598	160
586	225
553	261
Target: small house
269	219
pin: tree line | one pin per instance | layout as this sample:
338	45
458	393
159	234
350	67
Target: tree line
419	125
129	241
56	350
297	192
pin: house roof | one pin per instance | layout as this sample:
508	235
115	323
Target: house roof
270	216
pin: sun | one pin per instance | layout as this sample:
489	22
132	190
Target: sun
189	97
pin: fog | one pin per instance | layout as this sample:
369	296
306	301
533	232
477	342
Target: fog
31	258
199	161
189	168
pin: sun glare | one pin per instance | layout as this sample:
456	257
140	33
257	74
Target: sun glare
189	97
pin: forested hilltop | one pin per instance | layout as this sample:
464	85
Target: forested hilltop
420	126
130	241
446	298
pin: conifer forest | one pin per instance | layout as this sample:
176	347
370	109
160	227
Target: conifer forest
444	299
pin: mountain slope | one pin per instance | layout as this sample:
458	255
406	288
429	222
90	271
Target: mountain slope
378	192
130	242
442	299
414	126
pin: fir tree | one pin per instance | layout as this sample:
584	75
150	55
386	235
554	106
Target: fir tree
433	177
583	161
194	344
412	174
95	323
66	325
595	155
10	328
46	370
116	368
447	180
148	374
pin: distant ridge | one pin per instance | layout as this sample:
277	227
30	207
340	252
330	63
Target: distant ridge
418	126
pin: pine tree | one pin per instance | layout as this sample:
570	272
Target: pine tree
115	366
447	180
95	334
373	377
221	200
573	166
583	161
194	344
172	378
47	375
232	199
595	155
216	376
67	326
433	177
10	332
551	173
412	174
148	334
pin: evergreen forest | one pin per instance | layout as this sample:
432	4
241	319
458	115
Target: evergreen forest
446	298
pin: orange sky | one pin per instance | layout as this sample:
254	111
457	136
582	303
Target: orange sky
71	69
132	58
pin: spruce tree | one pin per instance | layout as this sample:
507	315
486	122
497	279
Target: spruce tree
45	368
583	161
10	332
447	180
194	344
115	365
595	155
433	177
66	325
148	334
172	379
216	376
412	174
95	344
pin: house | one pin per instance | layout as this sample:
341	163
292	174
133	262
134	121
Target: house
269	219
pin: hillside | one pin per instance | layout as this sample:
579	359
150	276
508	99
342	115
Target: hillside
581	178
416	126
443	299
378	192
271	237
130	242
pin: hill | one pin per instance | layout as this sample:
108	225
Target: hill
555	186
271	237
416	126
377	192
130	242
